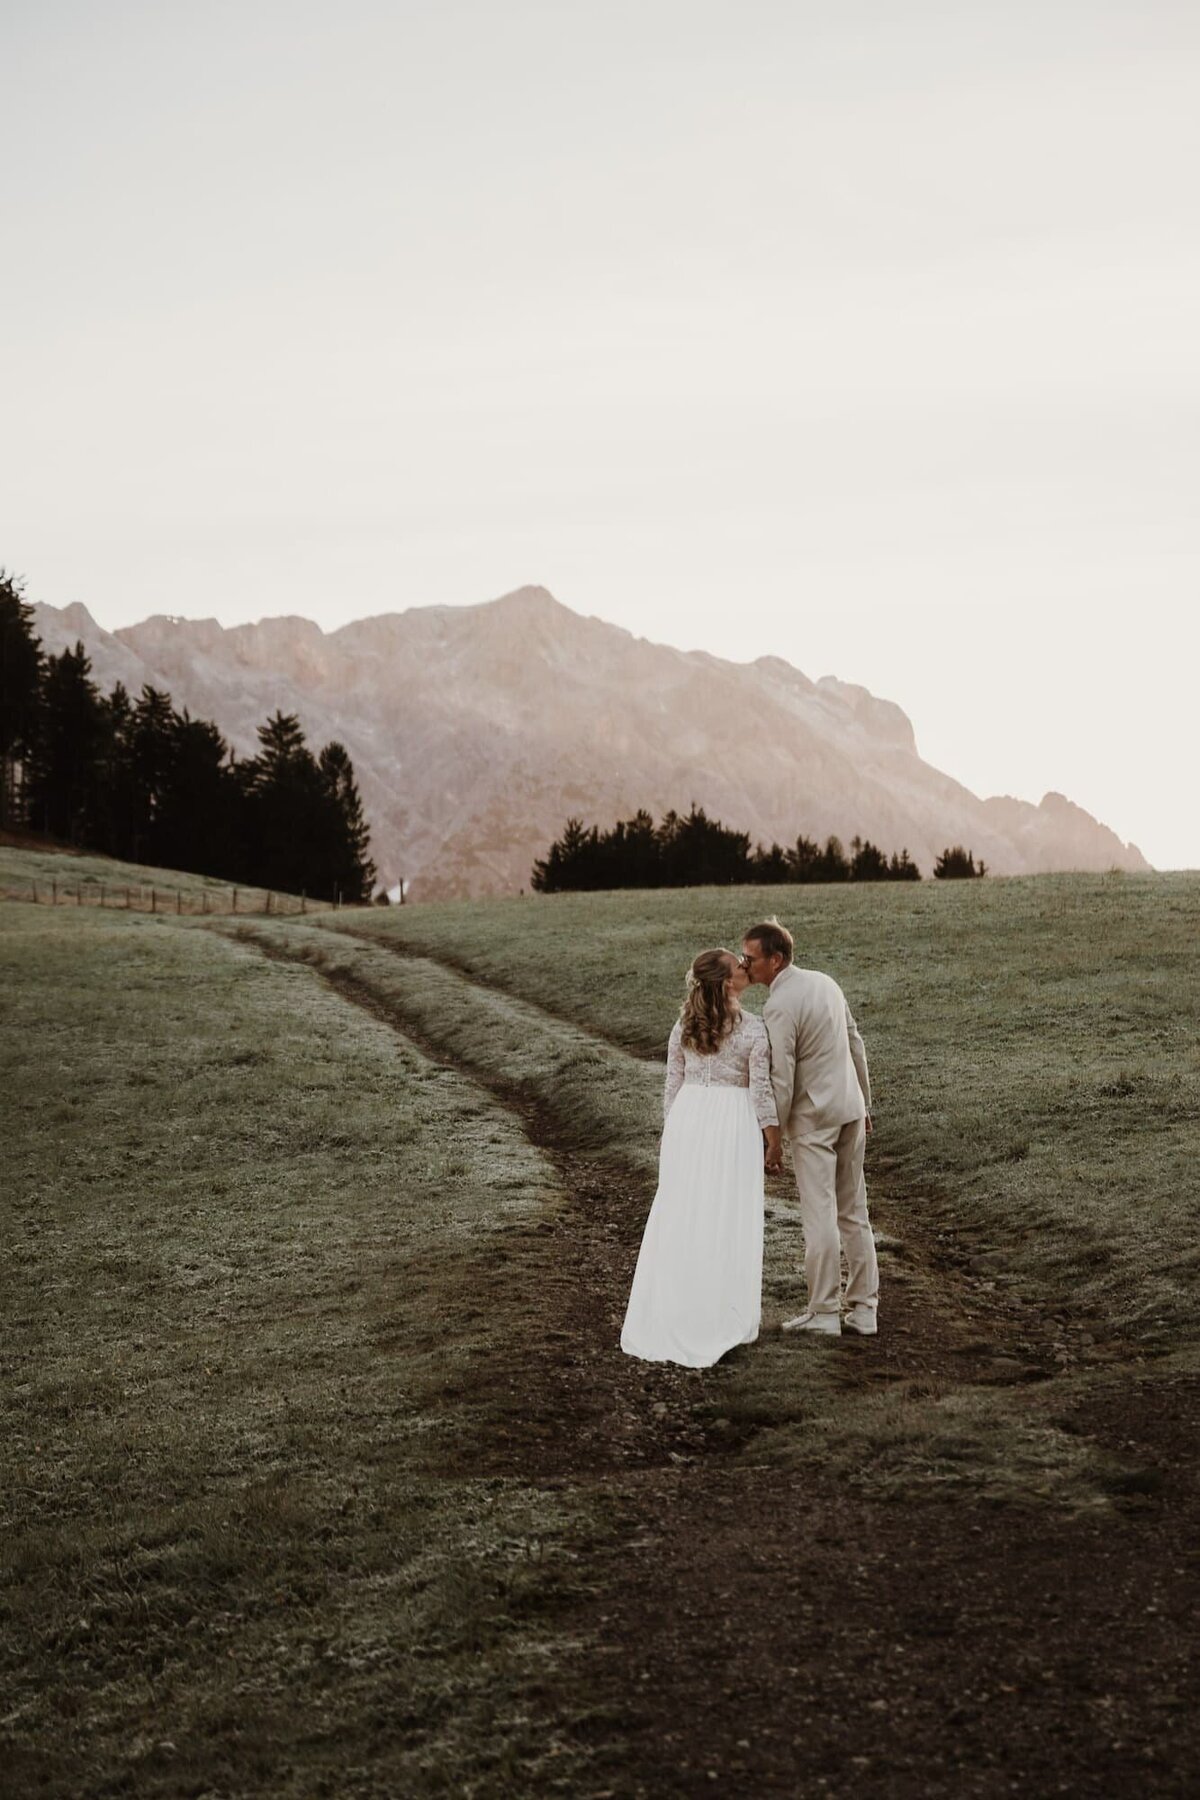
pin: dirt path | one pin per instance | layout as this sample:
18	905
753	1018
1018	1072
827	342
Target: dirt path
756	1629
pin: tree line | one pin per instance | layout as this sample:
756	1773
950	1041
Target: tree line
139	780
693	851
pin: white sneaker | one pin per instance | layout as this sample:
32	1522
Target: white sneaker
827	1323
860	1320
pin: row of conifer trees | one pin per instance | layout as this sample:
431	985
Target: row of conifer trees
139	780
693	850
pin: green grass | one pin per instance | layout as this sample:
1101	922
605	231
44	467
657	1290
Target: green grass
589	1095
1034	1052
267	1278
591	1099
1034	1046
245	1276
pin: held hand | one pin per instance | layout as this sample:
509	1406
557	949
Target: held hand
773	1151
869	1126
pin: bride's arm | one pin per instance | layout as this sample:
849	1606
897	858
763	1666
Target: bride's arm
675	1068
763	1096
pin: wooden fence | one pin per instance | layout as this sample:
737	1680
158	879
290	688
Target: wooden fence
138	898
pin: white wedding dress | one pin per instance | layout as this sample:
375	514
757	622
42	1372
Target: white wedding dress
697	1288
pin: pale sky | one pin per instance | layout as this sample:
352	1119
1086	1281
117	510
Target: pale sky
867	335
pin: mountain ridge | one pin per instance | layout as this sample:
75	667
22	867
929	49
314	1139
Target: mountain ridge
476	730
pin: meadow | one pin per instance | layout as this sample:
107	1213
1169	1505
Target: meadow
323	1470
1034	1047
247	1237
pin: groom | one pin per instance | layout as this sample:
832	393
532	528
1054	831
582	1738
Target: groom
823	1094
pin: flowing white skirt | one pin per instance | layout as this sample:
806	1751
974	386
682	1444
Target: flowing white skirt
697	1288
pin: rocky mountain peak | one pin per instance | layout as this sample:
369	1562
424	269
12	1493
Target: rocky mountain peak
477	730
78	619
530	602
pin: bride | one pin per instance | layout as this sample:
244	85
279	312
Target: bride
697	1288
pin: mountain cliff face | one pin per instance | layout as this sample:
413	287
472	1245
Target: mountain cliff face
476	730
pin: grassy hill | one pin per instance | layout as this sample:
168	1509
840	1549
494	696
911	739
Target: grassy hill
87	880
323	1471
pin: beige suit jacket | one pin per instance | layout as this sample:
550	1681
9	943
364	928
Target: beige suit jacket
818	1062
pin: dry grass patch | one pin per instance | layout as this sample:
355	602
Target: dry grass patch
923	1442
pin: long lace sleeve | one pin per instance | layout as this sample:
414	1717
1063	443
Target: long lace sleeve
675	1068
761	1091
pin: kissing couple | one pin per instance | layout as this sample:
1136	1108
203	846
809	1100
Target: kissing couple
735	1085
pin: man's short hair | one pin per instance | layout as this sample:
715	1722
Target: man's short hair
773	938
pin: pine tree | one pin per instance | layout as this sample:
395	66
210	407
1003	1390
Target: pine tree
565	863
579	861
20	685
868	862
197	825
804	861
116	823
700	851
287	803
956	864
772	866
834	864
902	868
546	874
152	737
352	870
64	779
641	851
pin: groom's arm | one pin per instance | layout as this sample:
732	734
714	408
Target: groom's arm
781	1029
858	1051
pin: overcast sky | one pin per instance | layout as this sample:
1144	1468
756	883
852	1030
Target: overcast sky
867	335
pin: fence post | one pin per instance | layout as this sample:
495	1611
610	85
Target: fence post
204	900
153	899
235	899
126	896
54	892
102	893
178	901
337	898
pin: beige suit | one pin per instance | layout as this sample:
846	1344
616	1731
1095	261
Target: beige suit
823	1095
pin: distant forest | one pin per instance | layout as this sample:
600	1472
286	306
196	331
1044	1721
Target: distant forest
138	780
695	851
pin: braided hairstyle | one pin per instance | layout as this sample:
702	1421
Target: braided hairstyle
708	1013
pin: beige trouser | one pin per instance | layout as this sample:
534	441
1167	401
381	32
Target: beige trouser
833	1212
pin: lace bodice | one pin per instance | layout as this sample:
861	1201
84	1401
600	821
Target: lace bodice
744	1060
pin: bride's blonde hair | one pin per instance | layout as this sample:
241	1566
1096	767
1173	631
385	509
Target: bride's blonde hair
708	1013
